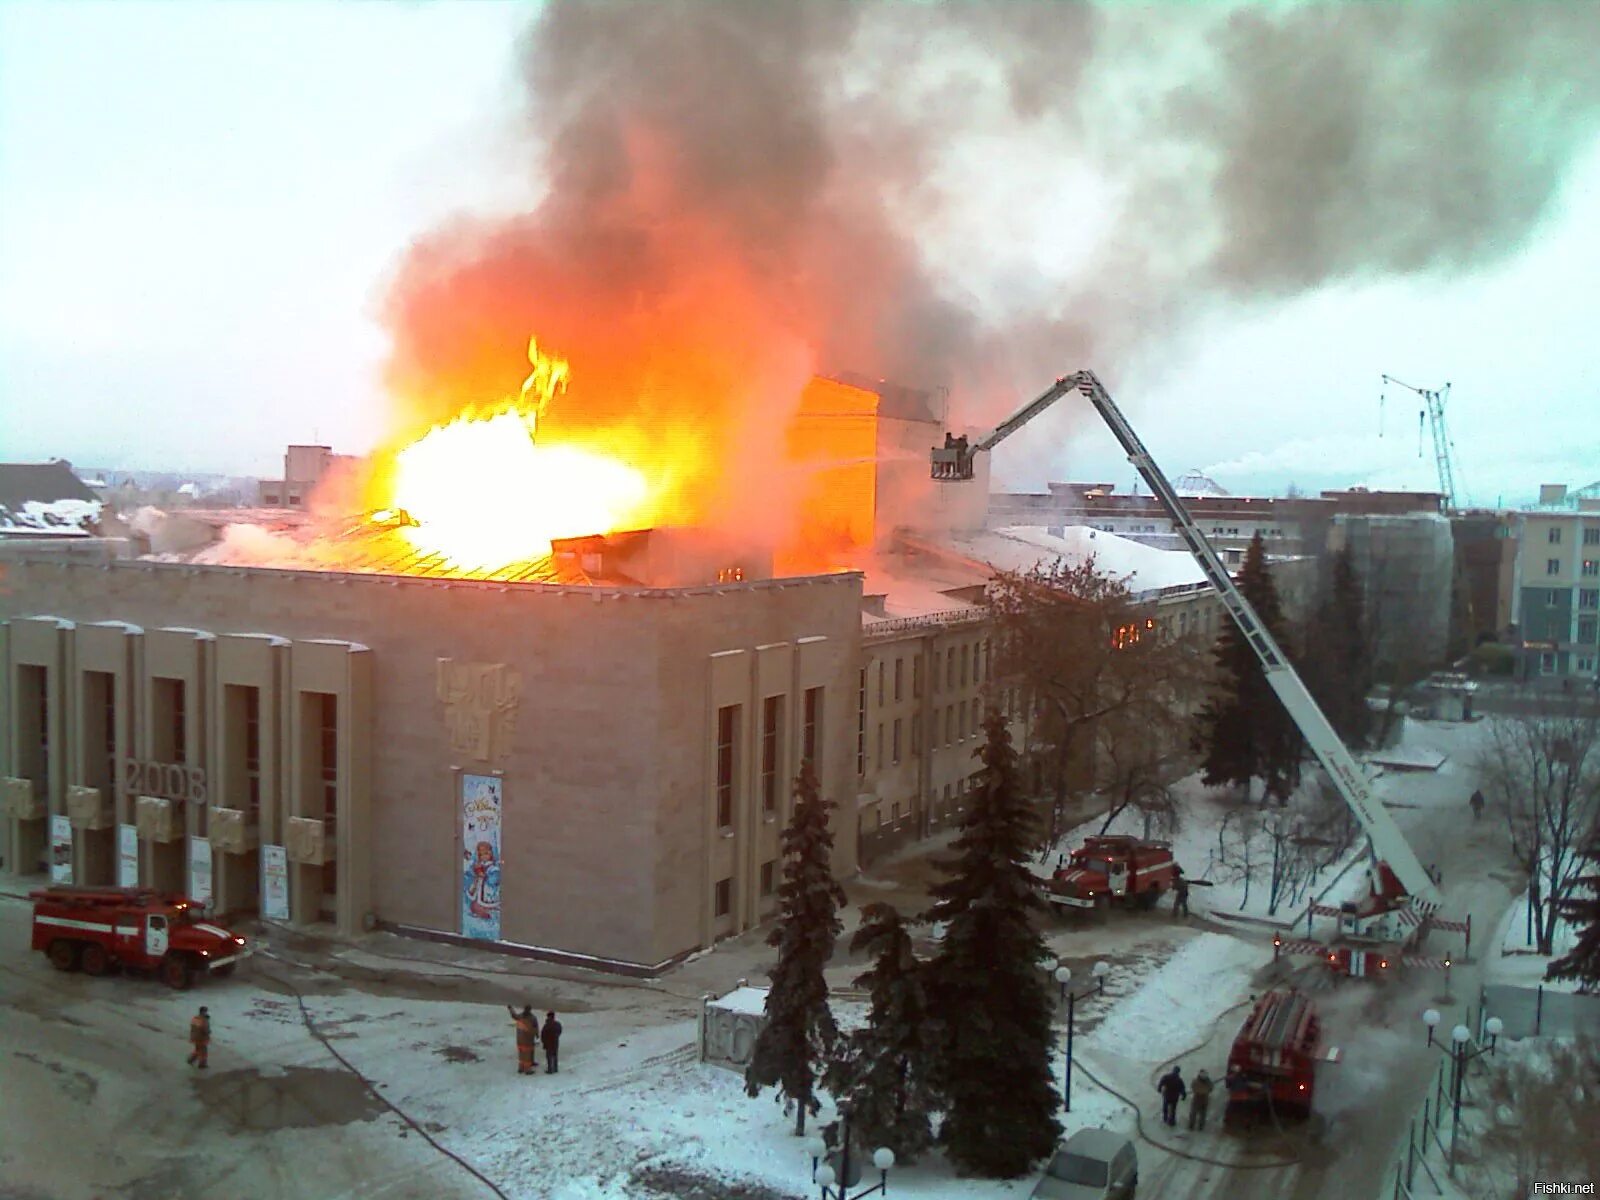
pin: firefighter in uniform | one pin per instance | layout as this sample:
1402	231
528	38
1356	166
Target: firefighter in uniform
1199	1100
1180	895
199	1037
527	1037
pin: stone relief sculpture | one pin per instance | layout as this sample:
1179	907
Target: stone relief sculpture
480	706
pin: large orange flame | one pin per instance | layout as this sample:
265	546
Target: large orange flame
481	493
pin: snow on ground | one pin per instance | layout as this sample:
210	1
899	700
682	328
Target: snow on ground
1517	961
1175	1007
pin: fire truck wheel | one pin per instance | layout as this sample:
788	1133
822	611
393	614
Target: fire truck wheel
64	955
224	971
176	971
95	960
1147	899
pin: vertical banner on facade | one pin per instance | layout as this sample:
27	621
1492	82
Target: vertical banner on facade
274	883
128	855
480	856
200	871
60	848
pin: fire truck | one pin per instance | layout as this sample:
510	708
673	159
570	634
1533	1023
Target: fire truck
1272	1065
1402	901
1113	869
136	929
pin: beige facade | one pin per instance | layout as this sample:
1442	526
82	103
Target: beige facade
645	741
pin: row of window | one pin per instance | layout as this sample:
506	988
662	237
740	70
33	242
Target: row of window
774	781
1591	535
1590	569
1587	597
975	662
723	905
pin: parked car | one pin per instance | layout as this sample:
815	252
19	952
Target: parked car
1092	1164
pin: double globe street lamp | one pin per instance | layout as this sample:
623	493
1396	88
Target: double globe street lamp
1460	1056
1063	976
846	1174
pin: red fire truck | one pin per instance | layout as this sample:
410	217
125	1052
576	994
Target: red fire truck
137	929
1272	1066
1116	868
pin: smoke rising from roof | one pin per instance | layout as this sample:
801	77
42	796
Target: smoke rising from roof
740	194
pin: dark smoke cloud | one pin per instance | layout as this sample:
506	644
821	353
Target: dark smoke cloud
738	190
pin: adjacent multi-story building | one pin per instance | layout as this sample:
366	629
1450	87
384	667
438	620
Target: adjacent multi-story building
1556	598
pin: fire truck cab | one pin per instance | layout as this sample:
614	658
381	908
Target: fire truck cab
1116	868
1272	1065
138	929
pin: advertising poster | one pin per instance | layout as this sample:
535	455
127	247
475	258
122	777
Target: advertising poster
274	883
60	849
200	871
127	856
480	856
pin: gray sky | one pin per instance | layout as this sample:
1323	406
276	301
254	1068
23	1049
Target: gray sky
201	206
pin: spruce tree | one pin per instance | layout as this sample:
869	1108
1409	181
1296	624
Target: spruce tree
993	1003
1243	732
800	1033
884	1072
1583	963
1338	653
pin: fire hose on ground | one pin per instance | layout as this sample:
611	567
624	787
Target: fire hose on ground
372	1088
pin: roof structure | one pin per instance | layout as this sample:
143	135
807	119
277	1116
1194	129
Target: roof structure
1145	569
45	499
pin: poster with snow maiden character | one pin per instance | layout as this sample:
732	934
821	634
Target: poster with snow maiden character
480	856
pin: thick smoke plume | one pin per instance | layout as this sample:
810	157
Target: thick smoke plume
742	194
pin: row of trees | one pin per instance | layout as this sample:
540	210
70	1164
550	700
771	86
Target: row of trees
965	1034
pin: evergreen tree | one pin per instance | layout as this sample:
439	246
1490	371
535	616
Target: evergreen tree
1583	964
1338	653
800	1033
1243	732
994	1004
884	1074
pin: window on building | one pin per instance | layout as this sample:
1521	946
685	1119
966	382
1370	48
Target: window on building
861	725
933	672
769	871
724	900
961	720
1552	566
1586	630
1591	536
242	711
1552	598
899	679
169	721
100	729
949	724
916	734
1589	598
988	661
966	659
727	743
1547	663
950	667
882	666
33	733
896	739
880	759
328	754
1553	535
916	677
1591	567
1585	666
895	818
810	724
771	734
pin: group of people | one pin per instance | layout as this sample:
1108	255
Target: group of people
1173	1089
531	1035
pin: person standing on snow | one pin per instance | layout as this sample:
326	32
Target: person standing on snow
551	1037
1180	895
527	1037
1199	1100
199	1037
1172	1089
1477	804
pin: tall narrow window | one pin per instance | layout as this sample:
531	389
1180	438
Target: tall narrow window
727	738
724	897
33	714
252	749
949	724
882	667
168	721
861	725
880	746
933	671
988	659
897	740
916	734
811	724
961	720
916	676
328	740
950	667
899	678
100	731
966	656
771	729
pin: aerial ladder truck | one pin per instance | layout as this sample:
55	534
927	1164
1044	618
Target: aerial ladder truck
1389	922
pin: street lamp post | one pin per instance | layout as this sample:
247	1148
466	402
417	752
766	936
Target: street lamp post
1460	1056
1064	979
824	1175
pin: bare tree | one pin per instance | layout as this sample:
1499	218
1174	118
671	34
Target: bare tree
1084	649
1136	768
1285	849
1543	770
1542	1123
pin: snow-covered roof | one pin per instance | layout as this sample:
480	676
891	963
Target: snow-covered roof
45	498
1023	547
